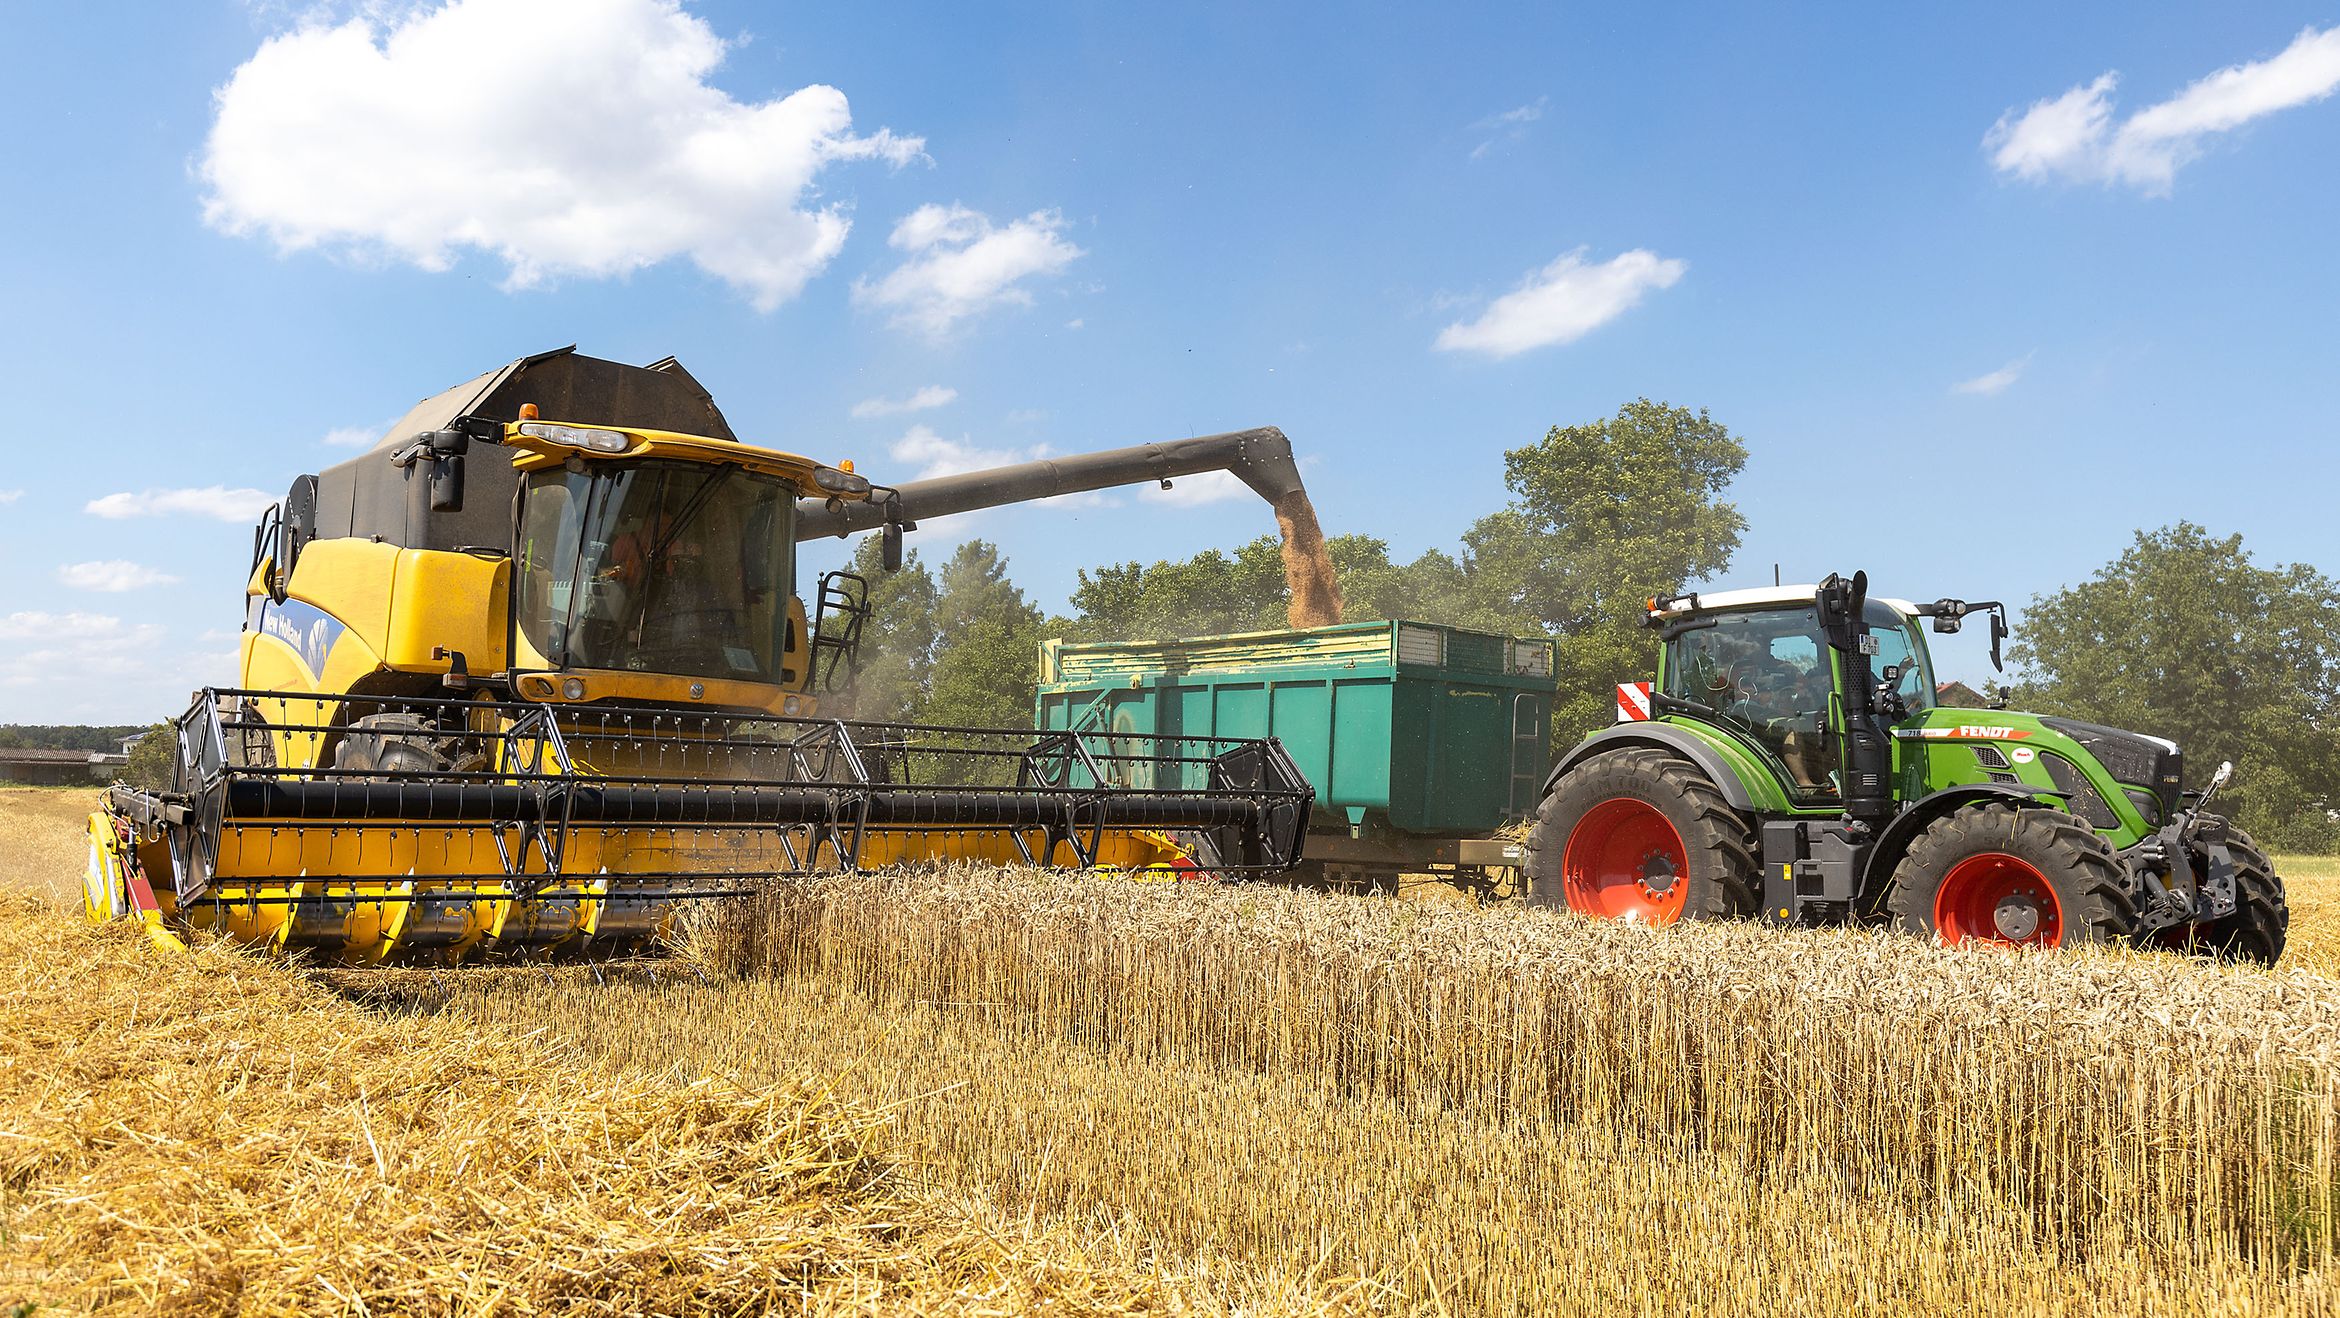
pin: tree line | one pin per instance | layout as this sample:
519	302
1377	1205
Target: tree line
2184	635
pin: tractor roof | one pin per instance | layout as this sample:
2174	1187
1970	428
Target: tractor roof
1760	597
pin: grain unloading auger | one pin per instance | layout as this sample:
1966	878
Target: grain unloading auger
534	707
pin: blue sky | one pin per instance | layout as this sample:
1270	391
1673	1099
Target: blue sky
1412	237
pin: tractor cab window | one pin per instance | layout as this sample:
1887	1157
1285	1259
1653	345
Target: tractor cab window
1768	673
658	567
1896	649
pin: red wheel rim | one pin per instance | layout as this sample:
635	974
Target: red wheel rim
1624	861
1996	898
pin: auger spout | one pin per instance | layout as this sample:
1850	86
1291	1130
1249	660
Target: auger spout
1261	458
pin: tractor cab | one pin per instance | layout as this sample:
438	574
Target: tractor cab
1757	662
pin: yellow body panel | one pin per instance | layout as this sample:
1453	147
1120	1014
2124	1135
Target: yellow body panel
443	603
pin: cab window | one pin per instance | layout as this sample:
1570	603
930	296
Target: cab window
1767	672
1896	650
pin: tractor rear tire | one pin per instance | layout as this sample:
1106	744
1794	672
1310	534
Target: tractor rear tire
2002	875
2262	918
1638	834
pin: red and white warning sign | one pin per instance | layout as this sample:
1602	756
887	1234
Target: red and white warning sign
1632	702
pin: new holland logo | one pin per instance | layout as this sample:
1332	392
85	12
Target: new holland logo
308	630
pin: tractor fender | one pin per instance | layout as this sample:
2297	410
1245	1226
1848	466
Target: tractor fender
1914	818
1664	737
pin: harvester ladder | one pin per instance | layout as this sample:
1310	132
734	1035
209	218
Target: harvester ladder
843	600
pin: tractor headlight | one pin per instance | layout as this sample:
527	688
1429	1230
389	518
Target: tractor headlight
592	437
833	480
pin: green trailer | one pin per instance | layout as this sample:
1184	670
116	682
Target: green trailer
1423	741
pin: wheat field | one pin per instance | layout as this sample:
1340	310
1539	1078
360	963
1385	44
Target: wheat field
1092	1096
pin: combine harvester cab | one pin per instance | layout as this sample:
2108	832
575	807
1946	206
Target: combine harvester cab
531	707
1789	763
1422	741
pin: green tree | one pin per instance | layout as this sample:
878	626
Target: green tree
897	643
153	758
1207	594
987	643
2184	636
1215	591
1603	517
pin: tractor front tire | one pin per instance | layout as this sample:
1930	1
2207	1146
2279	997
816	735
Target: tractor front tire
2261	919
1638	834
2001	875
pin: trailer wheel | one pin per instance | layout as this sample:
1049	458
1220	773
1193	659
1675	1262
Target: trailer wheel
2262	918
1995	874
1637	834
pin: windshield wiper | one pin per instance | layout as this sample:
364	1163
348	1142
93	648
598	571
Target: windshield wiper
682	518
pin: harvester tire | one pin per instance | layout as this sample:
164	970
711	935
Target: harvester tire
1999	874
2261	919
1639	834
390	743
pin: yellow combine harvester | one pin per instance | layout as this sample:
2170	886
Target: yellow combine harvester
533	671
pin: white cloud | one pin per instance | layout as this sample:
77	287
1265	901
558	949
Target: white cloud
2073	136
933	455
10	496
928	454
354	436
38	626
1991	384
1201	488
565	137
96	668
238	505
1561	303
961	264
112	575
1507	127
925	399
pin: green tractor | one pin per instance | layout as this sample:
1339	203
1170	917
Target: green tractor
1790	764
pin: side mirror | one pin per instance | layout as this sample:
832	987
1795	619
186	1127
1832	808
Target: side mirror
447	484
890	547
1998	634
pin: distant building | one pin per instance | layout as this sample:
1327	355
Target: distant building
45	768
1958	695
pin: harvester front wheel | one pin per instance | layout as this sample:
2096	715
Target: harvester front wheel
1637	834
1995	874
2262	918
390	743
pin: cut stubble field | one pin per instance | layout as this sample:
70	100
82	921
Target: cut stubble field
1208	1099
